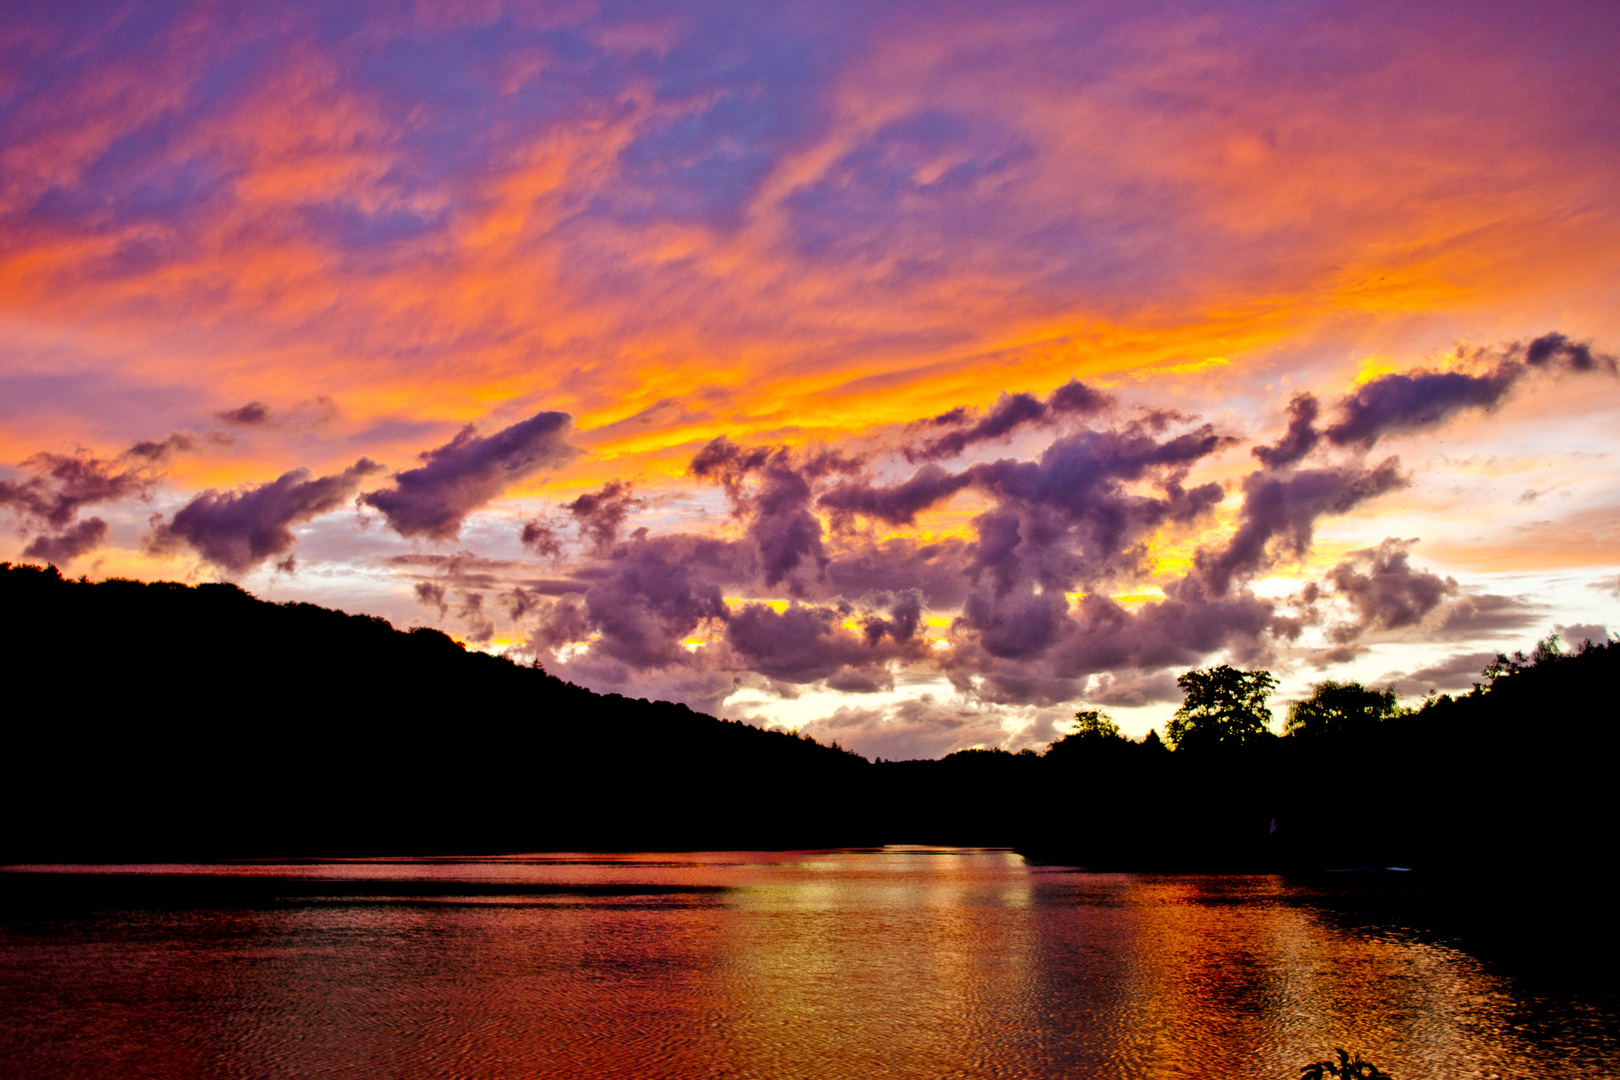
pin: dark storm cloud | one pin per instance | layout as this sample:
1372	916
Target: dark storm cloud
898	504
1010	412
905	615
724	461
654	594
1385	591
1556	349
1034	624
598	515
805	644
466	473
938	569
1048	661
1015	625
540	537
561	622
809	643
1280	511
1067	515
1062	519
1413	400
638	604
1075	398
63	483
1032	648
1078	473
238	530
1422	398
787	533
480	627
253	414
64	547
1300	438
431	594
520	601
775	507
1279	516
176	442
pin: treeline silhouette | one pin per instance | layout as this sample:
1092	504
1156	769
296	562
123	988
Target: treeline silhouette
165	721
1516	773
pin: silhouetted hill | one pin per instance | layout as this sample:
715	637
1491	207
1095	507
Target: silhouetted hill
159	721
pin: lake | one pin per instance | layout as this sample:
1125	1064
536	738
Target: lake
894	963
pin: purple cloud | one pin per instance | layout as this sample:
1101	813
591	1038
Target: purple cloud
598	516
469	471
1385	591
1279	516
66	546
1007	415
237	530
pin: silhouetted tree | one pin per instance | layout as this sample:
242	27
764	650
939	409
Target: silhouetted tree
1546	653
1341	709
1095	723
1093	728
1224	706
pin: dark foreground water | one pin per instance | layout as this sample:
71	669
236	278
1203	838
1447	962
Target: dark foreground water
845	964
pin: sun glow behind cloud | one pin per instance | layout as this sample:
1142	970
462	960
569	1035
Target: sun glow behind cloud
807	227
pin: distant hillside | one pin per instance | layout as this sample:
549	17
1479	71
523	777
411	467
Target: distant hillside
158	721
155	721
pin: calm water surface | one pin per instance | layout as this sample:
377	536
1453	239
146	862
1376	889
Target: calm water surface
847	964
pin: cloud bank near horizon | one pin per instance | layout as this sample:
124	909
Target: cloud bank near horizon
820	579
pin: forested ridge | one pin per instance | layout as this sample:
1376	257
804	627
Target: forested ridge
162	721
174	721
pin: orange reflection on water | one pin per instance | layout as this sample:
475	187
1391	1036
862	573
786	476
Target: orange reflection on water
895	963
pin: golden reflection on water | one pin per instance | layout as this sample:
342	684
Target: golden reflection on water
901	963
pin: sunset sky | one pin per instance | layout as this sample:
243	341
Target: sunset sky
910	374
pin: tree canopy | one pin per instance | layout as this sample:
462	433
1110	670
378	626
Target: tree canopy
1095	724
1092	727
1223	707
1338	709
